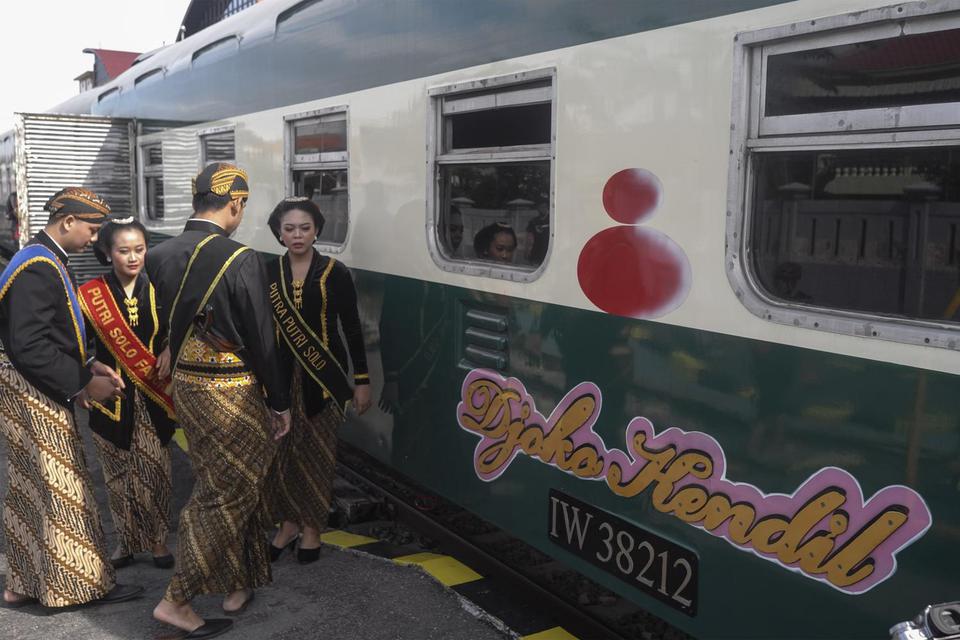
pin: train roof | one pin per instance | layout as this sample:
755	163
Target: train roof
289	51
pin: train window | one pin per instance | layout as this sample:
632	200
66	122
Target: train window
859	81
319	168
217	145
151	181
860	230
492	161
845	206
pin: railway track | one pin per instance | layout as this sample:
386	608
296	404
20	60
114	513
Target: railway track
585	608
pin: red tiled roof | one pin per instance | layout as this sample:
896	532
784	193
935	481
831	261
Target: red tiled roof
114	62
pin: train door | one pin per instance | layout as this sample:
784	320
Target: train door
56	151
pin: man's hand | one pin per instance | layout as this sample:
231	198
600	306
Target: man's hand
280	423
361	398
162	370
97	368
100	388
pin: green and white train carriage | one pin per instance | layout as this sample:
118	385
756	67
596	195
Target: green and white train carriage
719	374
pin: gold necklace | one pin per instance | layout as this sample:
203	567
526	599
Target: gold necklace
297	293
133	312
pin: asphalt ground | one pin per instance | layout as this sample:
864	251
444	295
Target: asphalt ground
345	595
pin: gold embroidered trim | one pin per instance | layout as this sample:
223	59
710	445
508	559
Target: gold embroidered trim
209	292
323	297
76	327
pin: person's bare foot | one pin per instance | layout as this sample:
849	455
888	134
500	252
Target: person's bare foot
181	616
237	600
12	597
160	550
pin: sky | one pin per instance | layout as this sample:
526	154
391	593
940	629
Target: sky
41	50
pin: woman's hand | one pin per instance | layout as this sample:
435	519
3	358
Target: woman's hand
162	370
361	398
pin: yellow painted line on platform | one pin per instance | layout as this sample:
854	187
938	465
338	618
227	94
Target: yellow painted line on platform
448	571
557	633
345	539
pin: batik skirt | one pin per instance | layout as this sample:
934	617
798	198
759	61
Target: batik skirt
221	408
55	545
138	484
301	480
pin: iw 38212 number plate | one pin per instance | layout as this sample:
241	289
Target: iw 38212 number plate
638	557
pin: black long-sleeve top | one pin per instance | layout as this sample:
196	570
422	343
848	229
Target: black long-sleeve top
328	297
241	309
149	326
37	329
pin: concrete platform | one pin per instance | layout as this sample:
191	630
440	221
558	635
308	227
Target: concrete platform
345	595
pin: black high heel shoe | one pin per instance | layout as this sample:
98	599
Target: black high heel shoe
306	556
276	552
164	562
122	561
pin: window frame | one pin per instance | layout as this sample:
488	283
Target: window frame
213	131
339	160
148	171
437	158
749	138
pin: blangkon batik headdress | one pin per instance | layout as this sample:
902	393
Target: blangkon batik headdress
80	203
222	179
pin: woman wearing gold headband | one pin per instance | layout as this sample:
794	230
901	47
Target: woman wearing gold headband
131	433
311	294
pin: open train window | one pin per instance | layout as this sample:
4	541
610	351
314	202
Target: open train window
318	162
217	145
492	159
151	181
845	203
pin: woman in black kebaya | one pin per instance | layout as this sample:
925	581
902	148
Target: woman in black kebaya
132	432
311	295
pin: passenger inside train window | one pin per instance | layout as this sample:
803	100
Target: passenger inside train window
538	233
497	242
480	196
493	165
454	237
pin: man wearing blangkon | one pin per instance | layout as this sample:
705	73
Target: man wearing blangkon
55	546
222	345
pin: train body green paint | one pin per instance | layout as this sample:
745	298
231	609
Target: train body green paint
781	414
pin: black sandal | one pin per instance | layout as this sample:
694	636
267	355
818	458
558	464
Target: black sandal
276	552
163	562
210	629
122	561
307	556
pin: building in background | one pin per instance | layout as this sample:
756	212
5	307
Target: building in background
203	13
107	65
